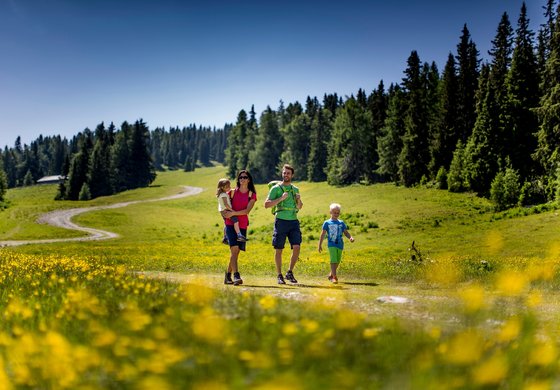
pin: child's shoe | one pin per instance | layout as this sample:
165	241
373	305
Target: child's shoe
227	278
241	238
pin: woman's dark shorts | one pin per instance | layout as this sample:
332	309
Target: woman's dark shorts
283	229
232	237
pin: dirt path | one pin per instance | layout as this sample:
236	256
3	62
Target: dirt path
63	219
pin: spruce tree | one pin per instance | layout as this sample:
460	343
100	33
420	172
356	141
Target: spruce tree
445	138
99	176
481	156
3	182
390	139
321	128
142	172
377	106
523	95
347	159
468	65
296	135
414	157
264	157
548	112
237	152
120	160
79	168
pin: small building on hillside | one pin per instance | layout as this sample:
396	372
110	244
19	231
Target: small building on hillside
56	179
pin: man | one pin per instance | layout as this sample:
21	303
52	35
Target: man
285	200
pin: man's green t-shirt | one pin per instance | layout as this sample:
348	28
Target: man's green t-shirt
287	209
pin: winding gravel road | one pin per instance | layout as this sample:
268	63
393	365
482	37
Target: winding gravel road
63	219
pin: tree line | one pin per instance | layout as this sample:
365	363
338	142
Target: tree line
109	160
489	127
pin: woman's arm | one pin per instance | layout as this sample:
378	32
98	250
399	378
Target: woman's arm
245	211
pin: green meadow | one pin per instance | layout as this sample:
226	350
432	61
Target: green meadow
149	310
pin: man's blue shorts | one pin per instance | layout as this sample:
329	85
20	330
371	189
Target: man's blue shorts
283	229
232	237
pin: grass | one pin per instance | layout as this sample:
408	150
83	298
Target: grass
482	308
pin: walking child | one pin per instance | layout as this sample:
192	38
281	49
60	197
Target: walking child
334	228
224	204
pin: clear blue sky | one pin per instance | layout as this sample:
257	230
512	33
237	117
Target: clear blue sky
70	64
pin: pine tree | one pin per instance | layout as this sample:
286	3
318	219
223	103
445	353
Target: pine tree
414	156
237	152
79	168
321	128
468	64
143	172
120	160
390	139
264	157
347	160
99	176
377	105
296	136
544	40
3	182
523	95
548	112
445	138
481	156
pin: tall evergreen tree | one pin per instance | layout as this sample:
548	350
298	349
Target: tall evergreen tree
3	182
481	156
321	128
548	111
237	152
143	172
468	65
444	140
414	157
544	39
296	136
120	160
79	168
523	96
377	105
99	176
264	157
390	139
347	160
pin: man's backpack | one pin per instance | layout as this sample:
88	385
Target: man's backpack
280	207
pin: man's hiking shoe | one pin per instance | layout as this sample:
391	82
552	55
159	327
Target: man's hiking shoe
241	238
290	277
281	279
237	279
227	279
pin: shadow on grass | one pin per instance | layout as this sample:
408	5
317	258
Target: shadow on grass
293	286
371	284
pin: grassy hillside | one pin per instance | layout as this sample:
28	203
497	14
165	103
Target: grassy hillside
149	310
184	234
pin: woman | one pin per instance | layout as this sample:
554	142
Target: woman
243	198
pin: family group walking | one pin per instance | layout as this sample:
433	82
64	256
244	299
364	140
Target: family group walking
285	200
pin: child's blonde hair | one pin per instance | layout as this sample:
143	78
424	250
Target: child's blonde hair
222	184
335	206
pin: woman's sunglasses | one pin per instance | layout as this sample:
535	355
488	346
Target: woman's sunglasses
243	177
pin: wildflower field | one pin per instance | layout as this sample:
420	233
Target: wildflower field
148	310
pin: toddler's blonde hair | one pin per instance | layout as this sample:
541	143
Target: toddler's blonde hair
222	184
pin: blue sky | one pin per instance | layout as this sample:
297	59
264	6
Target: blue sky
70	64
